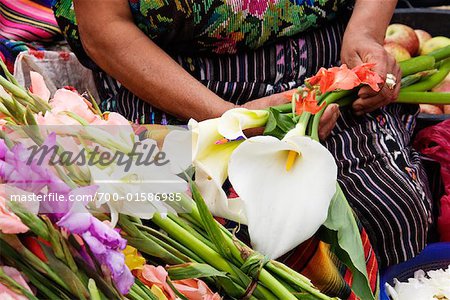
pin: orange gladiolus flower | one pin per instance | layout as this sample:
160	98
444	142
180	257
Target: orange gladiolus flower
308	103
336	78
367	76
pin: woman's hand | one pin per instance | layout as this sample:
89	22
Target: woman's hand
327	121
357	50
363	43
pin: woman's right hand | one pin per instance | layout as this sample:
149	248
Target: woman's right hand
266	102
327	121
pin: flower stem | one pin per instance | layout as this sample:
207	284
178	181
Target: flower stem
423	97
215	259
330	98
431	81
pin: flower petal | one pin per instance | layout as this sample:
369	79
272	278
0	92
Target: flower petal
283	208
38	86
235	120
211	162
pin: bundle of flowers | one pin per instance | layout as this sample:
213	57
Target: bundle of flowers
104	245
68	229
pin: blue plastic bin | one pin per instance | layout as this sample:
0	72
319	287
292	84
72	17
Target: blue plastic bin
434	256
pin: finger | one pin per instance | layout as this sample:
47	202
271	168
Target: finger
366	92
381	60
328	120
398	74
362	106
253	131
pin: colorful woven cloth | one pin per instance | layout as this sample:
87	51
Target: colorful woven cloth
24	25
27	21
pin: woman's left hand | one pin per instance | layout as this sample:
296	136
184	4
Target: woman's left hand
357	50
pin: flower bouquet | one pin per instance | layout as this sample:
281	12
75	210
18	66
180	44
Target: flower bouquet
124	225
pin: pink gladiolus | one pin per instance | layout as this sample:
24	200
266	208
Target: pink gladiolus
5	292
151	275
38	86
65	100
9	222
193	289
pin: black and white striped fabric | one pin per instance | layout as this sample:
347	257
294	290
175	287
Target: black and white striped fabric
380	173
383	179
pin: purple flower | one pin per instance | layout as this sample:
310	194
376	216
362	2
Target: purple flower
105	243
17	169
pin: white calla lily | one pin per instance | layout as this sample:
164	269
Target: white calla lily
233	121
214	141
286	197
210	160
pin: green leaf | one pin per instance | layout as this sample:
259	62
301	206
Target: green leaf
76	287
209	223
344	236
278	124
193	270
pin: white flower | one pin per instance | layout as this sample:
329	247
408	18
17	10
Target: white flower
286	187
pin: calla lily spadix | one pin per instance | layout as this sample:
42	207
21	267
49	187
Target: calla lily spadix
214	141
284	206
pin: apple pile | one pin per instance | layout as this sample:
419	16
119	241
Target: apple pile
403	42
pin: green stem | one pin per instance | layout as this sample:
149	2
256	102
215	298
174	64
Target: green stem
296	280
283	108
431	81
440	54
330	98
287	274
8	281
215	259
423	98
416	64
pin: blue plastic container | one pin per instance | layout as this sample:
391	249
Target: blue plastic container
434	256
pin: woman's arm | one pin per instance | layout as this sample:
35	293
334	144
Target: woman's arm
116	44
363	43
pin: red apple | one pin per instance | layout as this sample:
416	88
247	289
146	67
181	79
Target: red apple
430	109
397	51
446	109
423	36
444	86
404	36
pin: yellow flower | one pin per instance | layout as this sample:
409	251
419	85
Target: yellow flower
132	259
158	292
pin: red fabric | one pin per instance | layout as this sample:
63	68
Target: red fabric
434	142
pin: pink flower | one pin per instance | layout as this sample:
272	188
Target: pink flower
255	8
193	289
65	100
5	292
151	275
51	118
9	222
38	86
